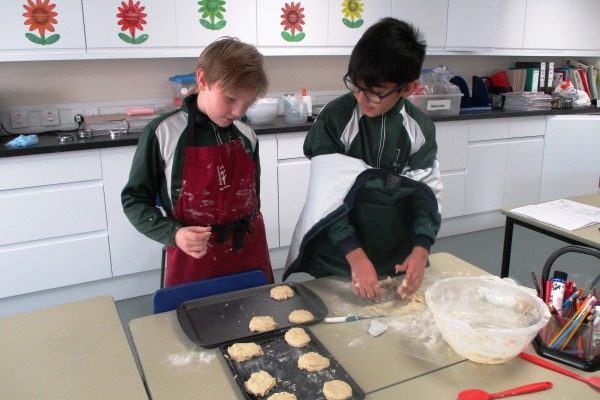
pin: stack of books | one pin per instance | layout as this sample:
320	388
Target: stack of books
527	101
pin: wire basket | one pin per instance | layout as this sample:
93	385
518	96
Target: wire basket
572	341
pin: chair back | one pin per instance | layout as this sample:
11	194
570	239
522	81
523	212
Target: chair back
169	298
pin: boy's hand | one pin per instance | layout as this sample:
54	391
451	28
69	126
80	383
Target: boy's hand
414	266
193	240
364	277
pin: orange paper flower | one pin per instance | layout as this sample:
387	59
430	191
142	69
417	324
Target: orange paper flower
40	16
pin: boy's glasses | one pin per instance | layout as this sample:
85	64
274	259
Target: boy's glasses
369	94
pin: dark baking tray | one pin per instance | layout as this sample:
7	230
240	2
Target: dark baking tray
281	361
211	321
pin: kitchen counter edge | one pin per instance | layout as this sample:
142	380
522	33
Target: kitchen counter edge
49	143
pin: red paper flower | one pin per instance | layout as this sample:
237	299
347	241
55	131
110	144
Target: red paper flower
292	17
40	16
131	16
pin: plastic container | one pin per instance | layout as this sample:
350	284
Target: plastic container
263	112
182	85
486	319
437	104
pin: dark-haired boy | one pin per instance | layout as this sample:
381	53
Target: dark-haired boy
372	207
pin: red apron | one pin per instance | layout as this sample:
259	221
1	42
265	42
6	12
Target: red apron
219	189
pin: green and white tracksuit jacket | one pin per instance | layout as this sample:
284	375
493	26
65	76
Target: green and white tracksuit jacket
157	168
374	183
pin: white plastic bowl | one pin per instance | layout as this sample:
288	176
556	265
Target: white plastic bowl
486	319
263	112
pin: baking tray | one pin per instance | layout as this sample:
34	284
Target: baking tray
281	361
211	321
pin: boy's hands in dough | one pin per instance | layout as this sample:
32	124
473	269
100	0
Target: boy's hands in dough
364	277
193	240
414	266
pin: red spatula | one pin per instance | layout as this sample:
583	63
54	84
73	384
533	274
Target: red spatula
593	381
477	394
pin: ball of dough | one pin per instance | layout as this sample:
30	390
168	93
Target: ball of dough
282	396
313	362
337	390
282	292
259	383
300	316
244	351
297	337
262	324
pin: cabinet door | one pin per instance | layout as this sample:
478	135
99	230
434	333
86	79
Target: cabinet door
511	24
292	24
571	163
452	141
132	26
472	23
269	201
430	16
546	24
294	175
348	20
200	24
453	194
582	17
52	27
486	177
130	251
523	172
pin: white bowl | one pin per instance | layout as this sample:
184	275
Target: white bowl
263	112
486	319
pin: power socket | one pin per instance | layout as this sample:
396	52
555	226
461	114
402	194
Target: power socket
19	119
50	118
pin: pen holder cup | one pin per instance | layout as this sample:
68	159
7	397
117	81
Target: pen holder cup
571	341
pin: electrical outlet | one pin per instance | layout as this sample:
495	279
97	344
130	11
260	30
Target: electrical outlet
50	117
19	119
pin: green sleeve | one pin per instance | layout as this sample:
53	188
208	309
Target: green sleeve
142	189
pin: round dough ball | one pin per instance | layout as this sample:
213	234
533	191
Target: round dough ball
337	390
300	316
282	292
297	337
244	351
313	362
282	396
259	383
262	324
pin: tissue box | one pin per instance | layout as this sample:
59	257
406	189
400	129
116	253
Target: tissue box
437	104
182	85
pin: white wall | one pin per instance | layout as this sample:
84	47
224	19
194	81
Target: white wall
50	82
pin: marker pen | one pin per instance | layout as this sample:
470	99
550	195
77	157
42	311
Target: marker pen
557	290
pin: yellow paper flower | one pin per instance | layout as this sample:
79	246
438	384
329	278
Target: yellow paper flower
352	9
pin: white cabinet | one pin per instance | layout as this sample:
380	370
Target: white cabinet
486	177
349	20
430	16
510	24
129	27
523	172
452	142
582	24
130	251
54	226
44	30
199	25
472	24
292	24
269	201
293	172
546	24
571	156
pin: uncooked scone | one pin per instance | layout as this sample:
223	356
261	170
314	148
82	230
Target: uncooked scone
300	316
244	351
262	324
282	292
337	390
297	337
282	396
259	383
313	362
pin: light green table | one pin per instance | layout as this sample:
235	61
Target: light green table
73	351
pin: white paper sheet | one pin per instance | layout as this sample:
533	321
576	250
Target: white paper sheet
562	213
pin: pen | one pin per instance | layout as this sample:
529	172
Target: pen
536	285
349	318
